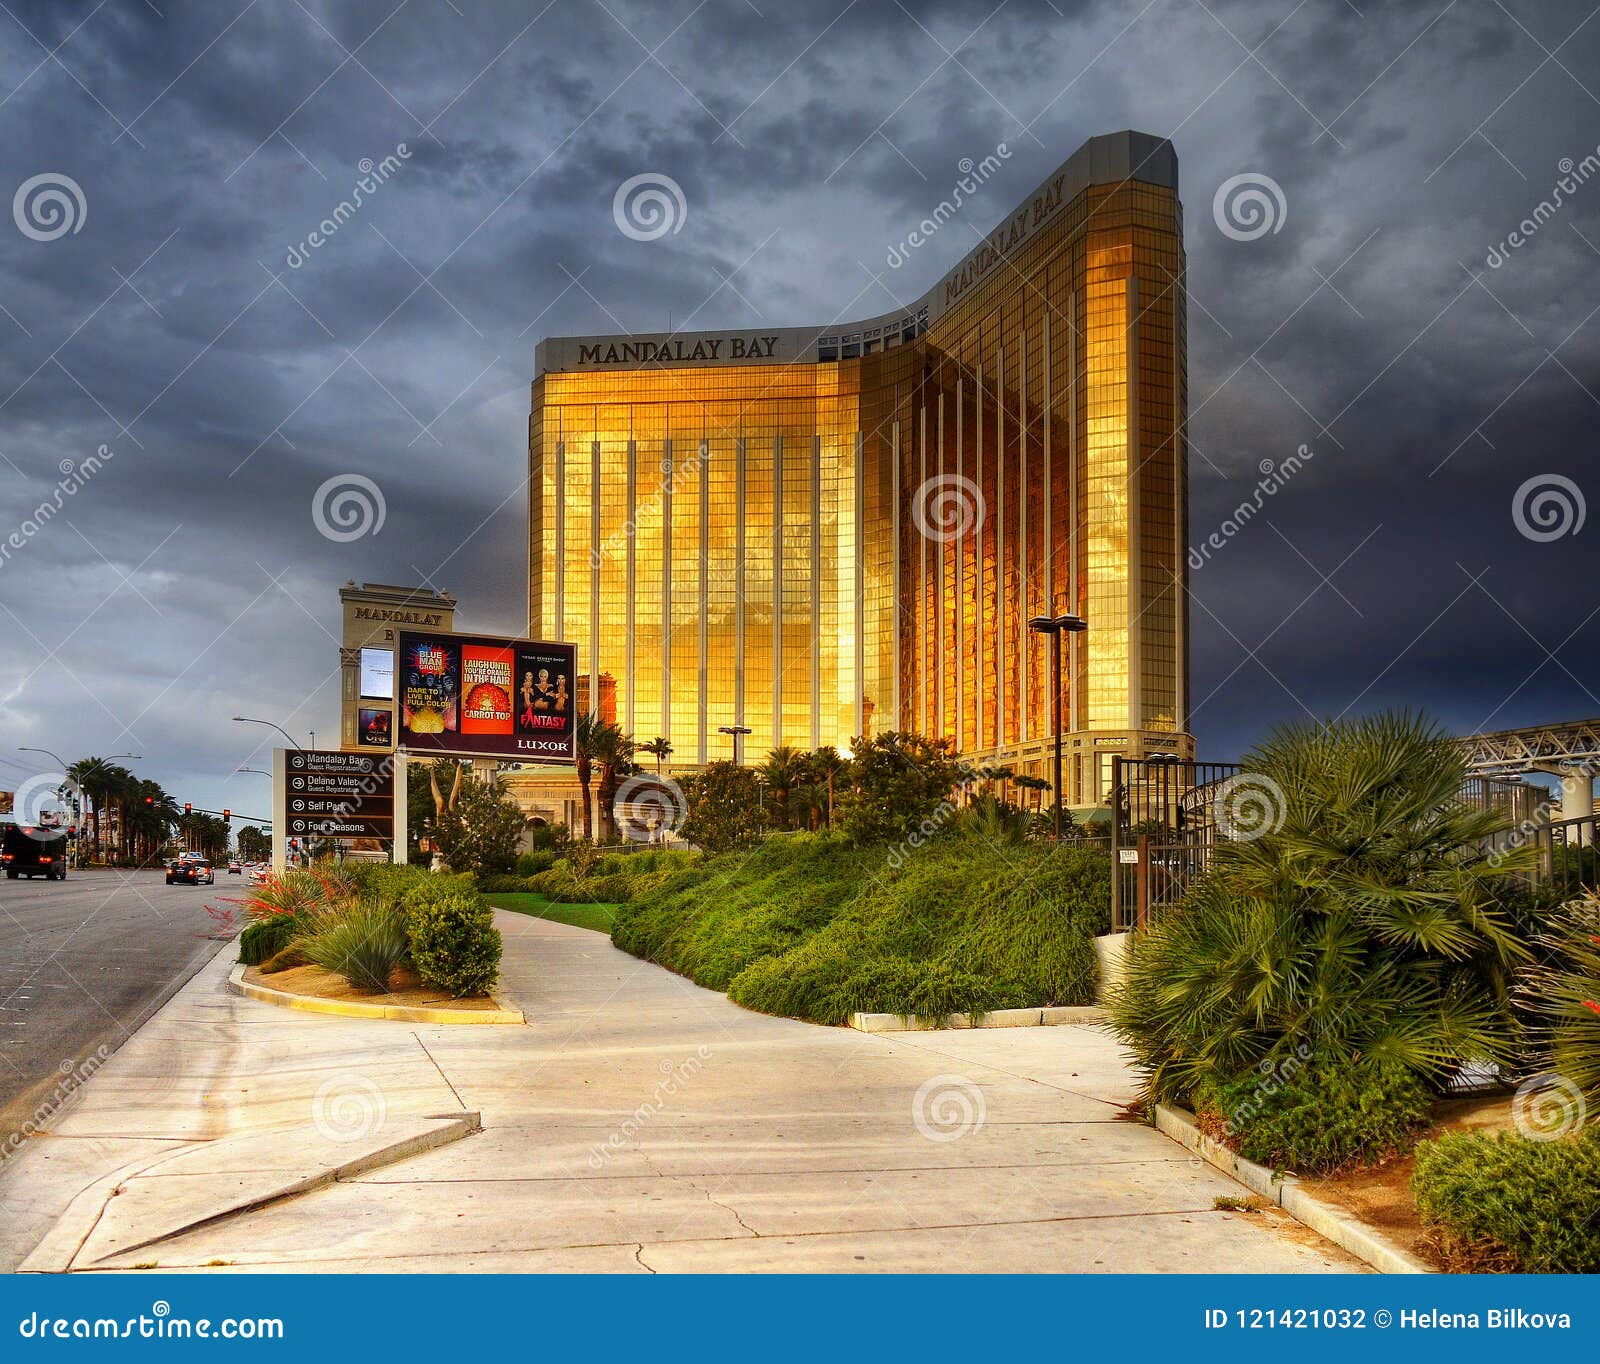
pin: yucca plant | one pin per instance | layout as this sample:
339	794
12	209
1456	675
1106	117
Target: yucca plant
362	940
1354	911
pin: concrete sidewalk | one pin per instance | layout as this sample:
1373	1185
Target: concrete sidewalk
636	1123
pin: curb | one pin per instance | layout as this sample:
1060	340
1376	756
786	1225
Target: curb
74	1231
1053	1017
1343	1228
353	1008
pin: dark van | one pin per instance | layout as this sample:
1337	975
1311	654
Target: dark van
34	850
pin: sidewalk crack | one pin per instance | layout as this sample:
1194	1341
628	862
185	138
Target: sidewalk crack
731	1211
638	1255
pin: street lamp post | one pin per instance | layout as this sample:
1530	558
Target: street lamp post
1055	627
251	720
738	732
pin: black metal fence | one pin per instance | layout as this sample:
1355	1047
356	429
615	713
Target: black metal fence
1166	819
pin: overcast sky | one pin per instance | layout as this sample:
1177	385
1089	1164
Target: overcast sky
165	318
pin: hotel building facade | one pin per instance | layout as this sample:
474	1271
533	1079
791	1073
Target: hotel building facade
832	531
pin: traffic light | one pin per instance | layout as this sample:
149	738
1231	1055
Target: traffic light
188	809
149	800
227	816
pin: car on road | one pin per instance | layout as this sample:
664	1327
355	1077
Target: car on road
260	874
34	850
191	871
234	869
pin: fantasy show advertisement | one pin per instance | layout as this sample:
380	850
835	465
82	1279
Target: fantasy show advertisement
469	695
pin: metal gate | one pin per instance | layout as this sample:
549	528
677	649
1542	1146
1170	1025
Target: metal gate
1163	827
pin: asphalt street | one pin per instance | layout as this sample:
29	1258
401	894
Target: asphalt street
83	962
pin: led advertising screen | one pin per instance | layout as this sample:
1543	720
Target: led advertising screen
377	674
374	728
501	698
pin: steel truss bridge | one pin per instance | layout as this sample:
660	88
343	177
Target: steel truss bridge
1538	748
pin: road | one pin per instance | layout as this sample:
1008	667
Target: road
83	962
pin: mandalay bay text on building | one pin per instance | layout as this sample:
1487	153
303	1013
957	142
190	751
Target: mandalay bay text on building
826	532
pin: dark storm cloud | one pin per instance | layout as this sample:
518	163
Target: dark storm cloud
187	581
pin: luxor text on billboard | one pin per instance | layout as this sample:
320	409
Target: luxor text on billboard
506	698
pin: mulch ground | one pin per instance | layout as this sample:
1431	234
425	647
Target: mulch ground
406	989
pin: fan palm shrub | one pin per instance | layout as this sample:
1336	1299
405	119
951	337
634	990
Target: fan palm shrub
1354	914
1563	995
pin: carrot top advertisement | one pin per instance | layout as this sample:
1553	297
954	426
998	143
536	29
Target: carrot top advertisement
470	695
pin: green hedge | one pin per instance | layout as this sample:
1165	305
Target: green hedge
1316	1115
265	938
812	927
1534	1203
454	943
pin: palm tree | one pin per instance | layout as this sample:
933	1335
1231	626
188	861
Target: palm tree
827	764
783	770
616	760
93	777
594	741
658	748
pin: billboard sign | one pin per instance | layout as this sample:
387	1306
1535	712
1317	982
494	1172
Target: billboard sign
484	697
338	795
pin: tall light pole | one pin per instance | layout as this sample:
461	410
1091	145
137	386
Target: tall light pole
251	720
738	732
1055	627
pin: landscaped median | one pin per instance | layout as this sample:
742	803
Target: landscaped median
373	941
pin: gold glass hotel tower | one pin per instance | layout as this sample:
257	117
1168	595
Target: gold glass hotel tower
824	532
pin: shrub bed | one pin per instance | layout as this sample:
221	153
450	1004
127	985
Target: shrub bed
813	926
1532	1206
365	921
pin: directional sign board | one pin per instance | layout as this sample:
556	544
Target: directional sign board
338	795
